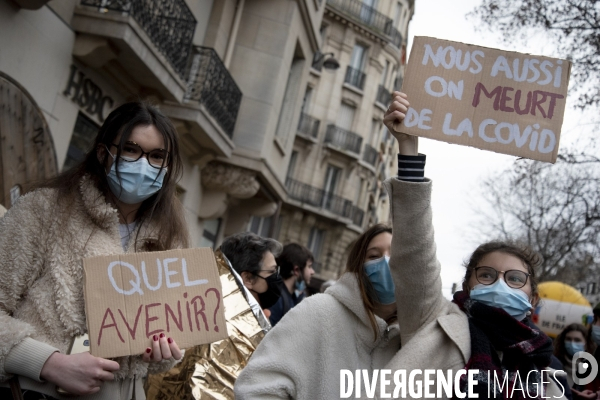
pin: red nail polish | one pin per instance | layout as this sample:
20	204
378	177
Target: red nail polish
155	338
162	335
170	340
148	350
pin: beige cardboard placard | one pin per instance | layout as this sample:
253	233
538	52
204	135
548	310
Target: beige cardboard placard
502	101
131	297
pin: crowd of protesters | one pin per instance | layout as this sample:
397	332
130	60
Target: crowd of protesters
386	311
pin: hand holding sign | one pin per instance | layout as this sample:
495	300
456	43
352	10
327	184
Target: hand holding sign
163	348
394	116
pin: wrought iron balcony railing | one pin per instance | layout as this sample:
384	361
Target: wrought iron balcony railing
396	37
364	14
343	139
357	216
383	96
211	84
308	126
370	154
355	77
319	198
169	24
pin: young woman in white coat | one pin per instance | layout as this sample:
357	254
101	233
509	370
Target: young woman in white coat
350	326
486	327
120	199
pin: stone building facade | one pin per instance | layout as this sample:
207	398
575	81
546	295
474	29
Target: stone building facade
341	151
229	73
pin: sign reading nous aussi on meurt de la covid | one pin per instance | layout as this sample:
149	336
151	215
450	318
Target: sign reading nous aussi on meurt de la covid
129	298
503	101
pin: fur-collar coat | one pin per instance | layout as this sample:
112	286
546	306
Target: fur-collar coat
43	240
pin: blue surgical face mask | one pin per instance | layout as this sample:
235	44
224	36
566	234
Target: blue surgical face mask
378	272
514	301
139	180
571	347
596	334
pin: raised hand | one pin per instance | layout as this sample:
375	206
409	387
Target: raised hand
393	117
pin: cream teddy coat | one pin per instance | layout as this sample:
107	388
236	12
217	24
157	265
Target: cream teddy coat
301	357
43	241
434	331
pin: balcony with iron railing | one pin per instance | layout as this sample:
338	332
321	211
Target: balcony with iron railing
150	39
384	97
308	126
211	85
370	154
355	77
364	14
342	139
318	198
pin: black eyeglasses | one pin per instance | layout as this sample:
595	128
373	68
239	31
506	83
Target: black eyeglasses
131	151
514	278
269	270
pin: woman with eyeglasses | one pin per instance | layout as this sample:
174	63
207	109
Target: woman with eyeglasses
120	199
253	258
486	327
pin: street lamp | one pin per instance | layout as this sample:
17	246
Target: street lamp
327	63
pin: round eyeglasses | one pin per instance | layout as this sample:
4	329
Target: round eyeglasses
131	151
514	278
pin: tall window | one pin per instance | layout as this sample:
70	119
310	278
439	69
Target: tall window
261	225
357	60
292	89
385	73
306	100
367	11
345	117
332	177
315	242
373	139
210	233
84	133
292	165
397	11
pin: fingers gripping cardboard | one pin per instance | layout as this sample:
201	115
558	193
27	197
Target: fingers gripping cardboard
129	298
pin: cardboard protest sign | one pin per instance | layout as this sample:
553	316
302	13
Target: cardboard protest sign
131	297
502	101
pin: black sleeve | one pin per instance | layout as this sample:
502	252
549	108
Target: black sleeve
411	168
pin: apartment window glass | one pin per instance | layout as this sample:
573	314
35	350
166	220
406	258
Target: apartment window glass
306	100
332	177
345	117
210	233
397	11
292	165
357	60
84	133
373	139
261	226
367	11
385	73
315	242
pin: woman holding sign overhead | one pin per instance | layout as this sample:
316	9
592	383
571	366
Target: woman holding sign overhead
120	199
486	329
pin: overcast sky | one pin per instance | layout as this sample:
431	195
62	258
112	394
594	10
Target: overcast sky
456	170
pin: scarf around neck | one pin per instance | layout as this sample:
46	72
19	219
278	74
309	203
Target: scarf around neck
525	351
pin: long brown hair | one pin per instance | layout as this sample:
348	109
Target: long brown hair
163	209
355	264
559	343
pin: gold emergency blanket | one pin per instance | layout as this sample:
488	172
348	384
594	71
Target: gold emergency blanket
209	371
